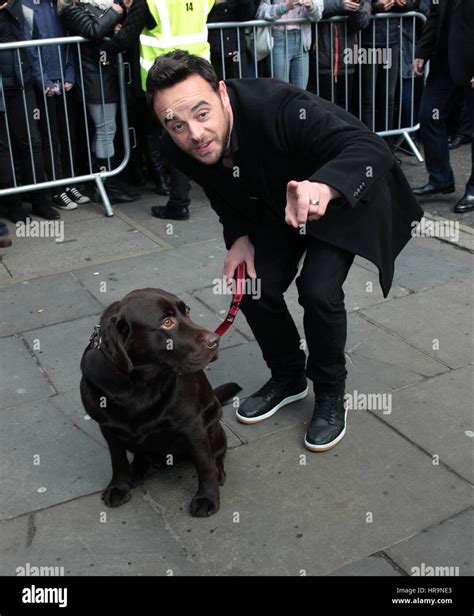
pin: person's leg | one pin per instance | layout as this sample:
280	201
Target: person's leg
13	203
325	321
369	83
319	285
433	112
299	61
278	250
25	133
280	55
466	204
388	84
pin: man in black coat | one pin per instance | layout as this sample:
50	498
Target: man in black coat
287	172
448	42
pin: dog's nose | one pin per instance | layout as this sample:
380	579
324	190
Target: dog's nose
212	340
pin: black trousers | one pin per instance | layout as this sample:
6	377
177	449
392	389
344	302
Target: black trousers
18	121
58	133
278	251
438	90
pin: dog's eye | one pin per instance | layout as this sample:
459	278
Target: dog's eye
168	322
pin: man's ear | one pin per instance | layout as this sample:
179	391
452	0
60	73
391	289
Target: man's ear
117	333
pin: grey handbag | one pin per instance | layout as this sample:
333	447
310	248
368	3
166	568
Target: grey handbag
259	41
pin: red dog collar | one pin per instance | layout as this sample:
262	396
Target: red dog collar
235	303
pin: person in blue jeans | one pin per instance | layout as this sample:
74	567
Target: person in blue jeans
291	43
5	241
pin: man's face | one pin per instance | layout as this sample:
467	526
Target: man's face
198	119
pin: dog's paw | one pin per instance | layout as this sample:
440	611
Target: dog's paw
114	496
203	506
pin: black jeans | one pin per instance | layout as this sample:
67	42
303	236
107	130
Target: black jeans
383	81
278	251
434	106
18	121
59	138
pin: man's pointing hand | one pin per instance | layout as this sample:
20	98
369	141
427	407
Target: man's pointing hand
306	201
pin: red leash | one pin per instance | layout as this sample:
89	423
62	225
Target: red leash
235	303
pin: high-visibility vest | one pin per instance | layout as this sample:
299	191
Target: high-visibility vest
179	25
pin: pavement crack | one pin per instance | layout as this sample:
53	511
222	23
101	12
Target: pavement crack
161	512
31	531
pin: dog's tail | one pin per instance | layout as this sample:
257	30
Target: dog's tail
226	392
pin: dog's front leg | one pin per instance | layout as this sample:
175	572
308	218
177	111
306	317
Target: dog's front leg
118	491
206	499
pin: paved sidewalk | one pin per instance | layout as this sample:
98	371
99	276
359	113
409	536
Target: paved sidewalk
396	493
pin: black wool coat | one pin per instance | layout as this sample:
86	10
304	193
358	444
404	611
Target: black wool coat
283	133
460	41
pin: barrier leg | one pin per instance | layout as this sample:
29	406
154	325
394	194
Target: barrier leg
104	196
413	148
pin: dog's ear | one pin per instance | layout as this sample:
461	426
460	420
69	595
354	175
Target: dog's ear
117	334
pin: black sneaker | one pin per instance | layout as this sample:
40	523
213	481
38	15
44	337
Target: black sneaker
328	425
63	202
270	398
76	196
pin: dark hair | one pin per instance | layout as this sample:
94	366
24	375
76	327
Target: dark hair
176	66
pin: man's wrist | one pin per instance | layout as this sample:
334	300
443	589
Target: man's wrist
282	8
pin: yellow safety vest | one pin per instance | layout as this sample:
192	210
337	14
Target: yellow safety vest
179	25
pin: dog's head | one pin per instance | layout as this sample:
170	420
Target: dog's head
152	326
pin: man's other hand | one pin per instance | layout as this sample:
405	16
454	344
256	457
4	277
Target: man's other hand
242	251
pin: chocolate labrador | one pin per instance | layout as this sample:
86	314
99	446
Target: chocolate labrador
143	382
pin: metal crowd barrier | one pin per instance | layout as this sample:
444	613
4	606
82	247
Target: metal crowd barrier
267	64
94	174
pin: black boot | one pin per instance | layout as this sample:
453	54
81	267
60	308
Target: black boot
170	212
115	191
328	425
15	209
160	178
157	164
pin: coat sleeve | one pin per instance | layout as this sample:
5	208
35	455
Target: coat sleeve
347	157
426	45
129	33
233	225
87	25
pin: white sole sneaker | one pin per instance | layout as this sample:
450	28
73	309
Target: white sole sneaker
284	402
327	446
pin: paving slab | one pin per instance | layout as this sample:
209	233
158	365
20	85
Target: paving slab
176	272
448	544
437	415
87	538
59	348
21	378
281	516
372	566
84	241
441	314
426	263
70	463
52	299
